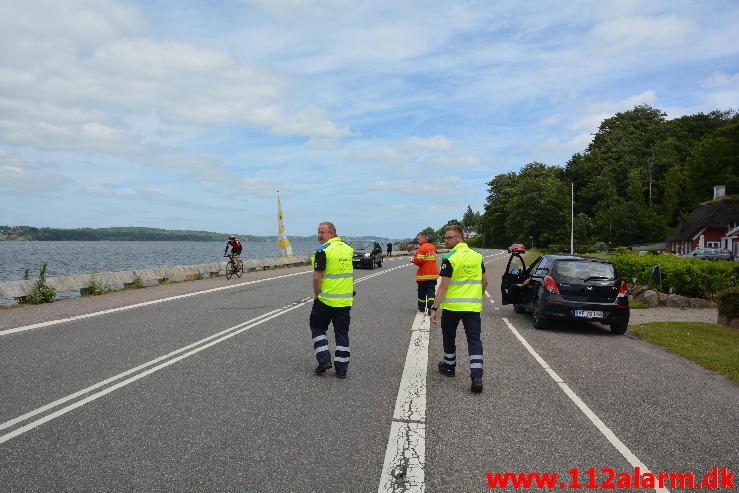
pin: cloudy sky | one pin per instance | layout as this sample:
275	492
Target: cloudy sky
385	117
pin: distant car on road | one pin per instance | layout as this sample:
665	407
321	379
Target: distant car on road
711	254
517	248
568	287
366	254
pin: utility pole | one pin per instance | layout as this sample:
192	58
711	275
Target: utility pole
572	219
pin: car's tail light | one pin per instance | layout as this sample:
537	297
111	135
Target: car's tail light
623	290
551	285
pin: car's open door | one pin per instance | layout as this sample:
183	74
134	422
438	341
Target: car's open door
514	274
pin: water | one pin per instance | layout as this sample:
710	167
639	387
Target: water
66	258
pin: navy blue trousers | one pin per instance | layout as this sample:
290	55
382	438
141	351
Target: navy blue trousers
321	316
472	327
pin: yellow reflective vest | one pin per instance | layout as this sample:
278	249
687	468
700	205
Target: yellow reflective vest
337	285
464	292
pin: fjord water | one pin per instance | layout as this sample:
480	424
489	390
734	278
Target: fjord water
67	258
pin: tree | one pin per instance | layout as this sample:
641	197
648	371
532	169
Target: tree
714	161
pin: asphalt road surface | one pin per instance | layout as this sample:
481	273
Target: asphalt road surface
215	391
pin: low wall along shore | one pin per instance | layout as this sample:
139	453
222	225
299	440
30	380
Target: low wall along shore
16	289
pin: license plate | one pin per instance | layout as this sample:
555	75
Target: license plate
588	314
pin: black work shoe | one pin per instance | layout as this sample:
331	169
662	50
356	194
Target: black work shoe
340	375
445	369
476	387
322	367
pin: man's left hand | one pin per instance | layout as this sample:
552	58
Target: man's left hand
434	316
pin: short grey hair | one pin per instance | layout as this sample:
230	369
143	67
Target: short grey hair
330	225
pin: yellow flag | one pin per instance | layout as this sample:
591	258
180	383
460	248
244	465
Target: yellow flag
283	244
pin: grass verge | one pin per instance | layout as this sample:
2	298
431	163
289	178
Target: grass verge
714	347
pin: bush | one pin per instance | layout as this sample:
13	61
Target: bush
137	283
728	303
96	287
40	292
685	276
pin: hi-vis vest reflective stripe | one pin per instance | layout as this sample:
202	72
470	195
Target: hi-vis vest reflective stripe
464	293
337	284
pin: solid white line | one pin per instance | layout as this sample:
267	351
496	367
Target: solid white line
605	430
64	410
254	321
405	455
139	305
68	398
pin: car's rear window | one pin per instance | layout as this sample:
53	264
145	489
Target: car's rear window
583	270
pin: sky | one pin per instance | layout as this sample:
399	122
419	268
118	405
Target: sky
384	117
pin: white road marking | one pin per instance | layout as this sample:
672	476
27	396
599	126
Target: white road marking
605	430
84	391
192	349
405	455
65	410
139	305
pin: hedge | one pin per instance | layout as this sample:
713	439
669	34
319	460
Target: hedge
685	276
728	303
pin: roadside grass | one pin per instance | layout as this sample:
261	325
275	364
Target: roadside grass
714	347
635	305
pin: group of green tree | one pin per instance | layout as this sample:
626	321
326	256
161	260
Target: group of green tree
639	177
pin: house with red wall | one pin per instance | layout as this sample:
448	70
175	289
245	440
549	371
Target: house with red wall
713	224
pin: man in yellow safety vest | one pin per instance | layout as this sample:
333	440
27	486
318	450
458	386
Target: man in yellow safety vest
333	294
463	282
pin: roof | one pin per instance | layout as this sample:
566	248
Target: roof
717	213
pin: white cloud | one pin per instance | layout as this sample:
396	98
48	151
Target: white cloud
551	121
644	33
721	80
593	113
436	143
25	177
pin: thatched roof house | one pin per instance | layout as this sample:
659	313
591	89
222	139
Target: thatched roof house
711	224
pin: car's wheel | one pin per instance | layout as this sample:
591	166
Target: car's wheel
536	318
519	308
379	262
619	328
372	264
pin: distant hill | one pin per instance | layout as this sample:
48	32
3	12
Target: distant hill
114	234
131	233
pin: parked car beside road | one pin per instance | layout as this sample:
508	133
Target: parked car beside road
568	287
711	254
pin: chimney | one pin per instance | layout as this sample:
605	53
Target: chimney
719	191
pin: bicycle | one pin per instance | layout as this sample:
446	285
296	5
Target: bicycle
232	268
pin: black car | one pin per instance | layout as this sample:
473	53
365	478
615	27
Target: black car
567	287
366	254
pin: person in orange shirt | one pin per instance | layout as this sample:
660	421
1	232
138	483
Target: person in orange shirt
428	271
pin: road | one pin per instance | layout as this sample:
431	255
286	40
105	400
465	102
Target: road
215	391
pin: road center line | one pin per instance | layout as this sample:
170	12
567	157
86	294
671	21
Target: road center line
198	345
64	410
605	430
84	391
405	455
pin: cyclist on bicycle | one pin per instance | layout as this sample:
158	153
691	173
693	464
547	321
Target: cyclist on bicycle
235	246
